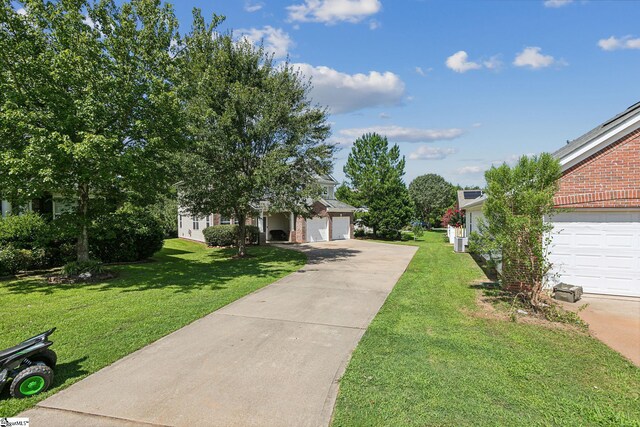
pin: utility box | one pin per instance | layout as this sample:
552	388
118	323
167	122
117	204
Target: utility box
459	244
566	292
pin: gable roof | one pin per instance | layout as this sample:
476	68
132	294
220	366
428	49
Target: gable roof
466	197
599	137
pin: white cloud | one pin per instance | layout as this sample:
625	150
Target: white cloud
384	116
399	134
493	63
557	3
468	170
459	62
344	93
420	71
425	152
532	58
275	40
22	11
476	125
374	24
333	11
253	7
614	43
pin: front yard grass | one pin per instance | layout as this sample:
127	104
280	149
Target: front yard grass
428	358
103	322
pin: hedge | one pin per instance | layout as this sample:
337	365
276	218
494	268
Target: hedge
225	235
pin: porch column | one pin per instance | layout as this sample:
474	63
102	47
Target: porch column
292	227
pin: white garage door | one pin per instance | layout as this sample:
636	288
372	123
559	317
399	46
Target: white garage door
317	230
599	251
340	228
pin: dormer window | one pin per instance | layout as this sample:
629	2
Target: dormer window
327	192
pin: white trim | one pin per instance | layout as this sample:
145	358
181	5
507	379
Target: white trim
576	156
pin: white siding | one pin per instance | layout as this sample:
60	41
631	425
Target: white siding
187	231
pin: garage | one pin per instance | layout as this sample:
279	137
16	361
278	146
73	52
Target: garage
340	228
599	251
317	230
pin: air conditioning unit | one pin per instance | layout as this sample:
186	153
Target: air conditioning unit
459	244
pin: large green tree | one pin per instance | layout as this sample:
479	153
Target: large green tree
87	105
432	195
375	172
257	138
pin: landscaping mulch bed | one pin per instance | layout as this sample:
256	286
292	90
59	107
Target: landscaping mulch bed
58	279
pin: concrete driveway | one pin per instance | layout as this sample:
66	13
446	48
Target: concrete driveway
614	321
272	358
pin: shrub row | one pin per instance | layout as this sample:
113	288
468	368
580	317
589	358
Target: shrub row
28	242
225	235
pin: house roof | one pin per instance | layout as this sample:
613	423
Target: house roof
336	205
599	137
466	197
327	179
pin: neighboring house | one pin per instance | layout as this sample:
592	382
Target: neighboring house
596	242
48	206
471	202
333	220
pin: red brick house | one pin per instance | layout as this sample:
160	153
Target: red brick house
596	243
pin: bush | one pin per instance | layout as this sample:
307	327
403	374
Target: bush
127	235
225	235
358	232
26	231
253	234
77	268
13	260
220	235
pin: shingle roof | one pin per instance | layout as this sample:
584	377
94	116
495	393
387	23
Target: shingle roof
336	204
598	130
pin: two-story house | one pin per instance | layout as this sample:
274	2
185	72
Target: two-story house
333	220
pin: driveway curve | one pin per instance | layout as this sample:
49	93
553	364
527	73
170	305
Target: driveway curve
272	358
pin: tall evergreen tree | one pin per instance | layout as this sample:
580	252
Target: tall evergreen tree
375	171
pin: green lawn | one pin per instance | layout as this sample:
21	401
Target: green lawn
100	323
427	359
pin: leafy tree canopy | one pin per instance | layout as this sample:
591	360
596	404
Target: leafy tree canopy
88	109
256	135
432	195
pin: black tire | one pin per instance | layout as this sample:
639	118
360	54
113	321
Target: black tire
36	374
46	356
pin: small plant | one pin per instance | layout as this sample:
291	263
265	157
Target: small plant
417	230
79	268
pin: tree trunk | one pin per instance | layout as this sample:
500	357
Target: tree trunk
83	236
242	234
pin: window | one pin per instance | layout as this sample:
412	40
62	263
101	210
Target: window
179	221
196	223
224	220
208	220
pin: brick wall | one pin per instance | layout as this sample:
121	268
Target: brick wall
608	179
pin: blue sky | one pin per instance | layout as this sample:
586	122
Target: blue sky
458	85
